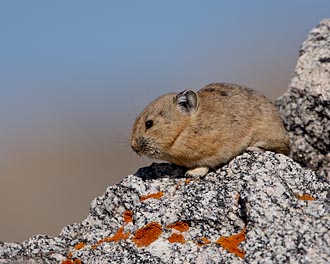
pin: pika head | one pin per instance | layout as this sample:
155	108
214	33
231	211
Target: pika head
159	125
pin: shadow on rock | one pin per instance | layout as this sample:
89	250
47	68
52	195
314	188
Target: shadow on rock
160	170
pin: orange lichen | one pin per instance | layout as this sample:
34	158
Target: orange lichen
305	197
187	180
204	241
128	216
95	245
67	261
231	243
156	195
180	226
70	261
147	234
176	238
79	246
116	237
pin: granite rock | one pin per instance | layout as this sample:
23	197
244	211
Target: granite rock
260	207
305	107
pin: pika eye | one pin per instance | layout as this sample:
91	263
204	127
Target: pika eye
149	124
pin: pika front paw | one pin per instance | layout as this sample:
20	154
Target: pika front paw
197	172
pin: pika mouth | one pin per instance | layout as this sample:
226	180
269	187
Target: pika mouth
135	149
141	146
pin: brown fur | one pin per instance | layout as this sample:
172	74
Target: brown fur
227	120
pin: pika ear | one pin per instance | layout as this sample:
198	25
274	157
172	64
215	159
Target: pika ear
187	101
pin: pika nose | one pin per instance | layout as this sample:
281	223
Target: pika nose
138	145
134	145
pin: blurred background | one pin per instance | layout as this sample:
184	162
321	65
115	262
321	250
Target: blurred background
74	75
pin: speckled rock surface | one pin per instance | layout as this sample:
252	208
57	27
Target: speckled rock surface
261	207
305	107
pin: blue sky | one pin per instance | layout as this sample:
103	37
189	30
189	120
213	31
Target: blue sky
74	53
73	65
100	62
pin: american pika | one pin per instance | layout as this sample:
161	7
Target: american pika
206	129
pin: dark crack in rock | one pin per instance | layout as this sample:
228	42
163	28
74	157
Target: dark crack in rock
279	211
305	107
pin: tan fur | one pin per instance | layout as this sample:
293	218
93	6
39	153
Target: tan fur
228	119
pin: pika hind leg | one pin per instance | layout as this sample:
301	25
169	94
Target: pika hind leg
197	172
279	146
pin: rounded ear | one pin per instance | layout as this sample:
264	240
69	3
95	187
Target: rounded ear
187	101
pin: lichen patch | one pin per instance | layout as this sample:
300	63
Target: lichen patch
176	238
147	234
79	246
116	237
156	195
180	226
69	260
231	243
128	216
305	197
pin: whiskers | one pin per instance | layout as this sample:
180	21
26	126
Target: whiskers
124	143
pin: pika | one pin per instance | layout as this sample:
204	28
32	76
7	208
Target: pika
205	129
